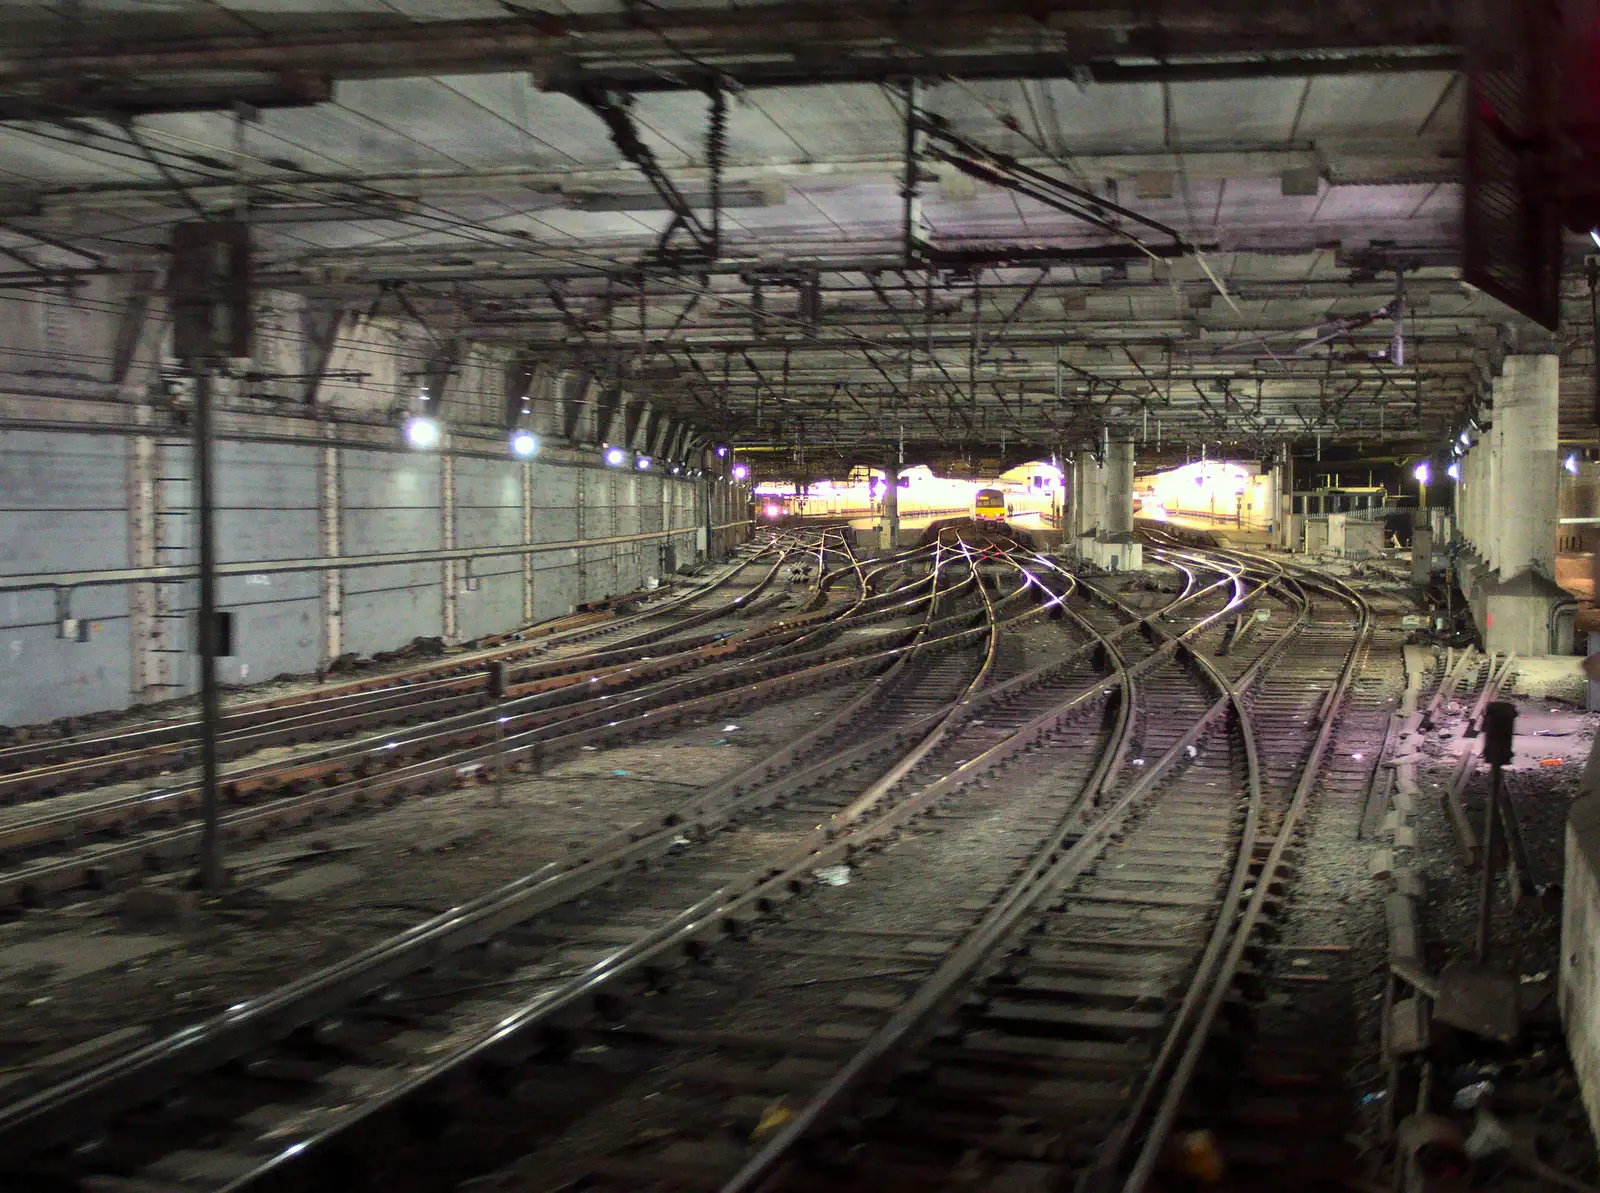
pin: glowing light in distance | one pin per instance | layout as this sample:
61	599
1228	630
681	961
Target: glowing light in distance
615	456
524	444
1571	464
740	471
1465	439
722	451
1422	472
642	463
422	433
1454	471
774	510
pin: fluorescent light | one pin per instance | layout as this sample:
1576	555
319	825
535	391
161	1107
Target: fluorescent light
524	444
615	456
1571	463
1594	235
1453	471
422	433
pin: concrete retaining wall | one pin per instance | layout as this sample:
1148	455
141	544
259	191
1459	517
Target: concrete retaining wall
391	503
95	475
1580	950
62	505
76	503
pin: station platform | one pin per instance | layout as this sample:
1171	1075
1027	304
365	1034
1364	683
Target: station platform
1223	534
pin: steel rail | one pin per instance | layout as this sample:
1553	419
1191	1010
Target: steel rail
431	938
485	916
54	1113
624	673
180	573
1227	910
565	729
1048	871
1221	980
396	684
402	704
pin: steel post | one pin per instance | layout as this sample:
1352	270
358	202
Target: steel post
1487	861
212	877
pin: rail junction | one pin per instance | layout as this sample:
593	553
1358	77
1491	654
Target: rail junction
988	912
781	596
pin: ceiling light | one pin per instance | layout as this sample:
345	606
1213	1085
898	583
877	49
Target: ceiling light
642	463
1594	235
524	444
1454	471
1571	463
740	471
722	451
422	433
615	456
1423	472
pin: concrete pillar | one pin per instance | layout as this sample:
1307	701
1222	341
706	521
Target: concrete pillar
1492	495
1118	475
149	673
1578	989
1119	550
329	519
1274	505
1287	535
1516	512
1476	468
891	504
527	538
1421	555
1087	502
581	521
453	570
1527	400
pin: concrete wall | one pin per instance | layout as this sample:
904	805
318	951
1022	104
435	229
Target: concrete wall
266	496
62	505
391	503
488	511
70	503
1580	950
95	475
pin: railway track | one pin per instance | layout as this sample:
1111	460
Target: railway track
608	700
1017	986
430	690
895	776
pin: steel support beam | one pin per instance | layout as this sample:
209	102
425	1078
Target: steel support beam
759	46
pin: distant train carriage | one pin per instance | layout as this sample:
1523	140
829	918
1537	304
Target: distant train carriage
989	506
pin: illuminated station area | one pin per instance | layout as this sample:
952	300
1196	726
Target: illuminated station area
799	596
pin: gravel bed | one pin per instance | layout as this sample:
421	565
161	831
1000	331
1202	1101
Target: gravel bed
308	898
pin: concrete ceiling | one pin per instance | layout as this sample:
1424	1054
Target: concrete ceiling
1300	160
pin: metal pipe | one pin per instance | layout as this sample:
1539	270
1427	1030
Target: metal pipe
212	877
1486	887
179	573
